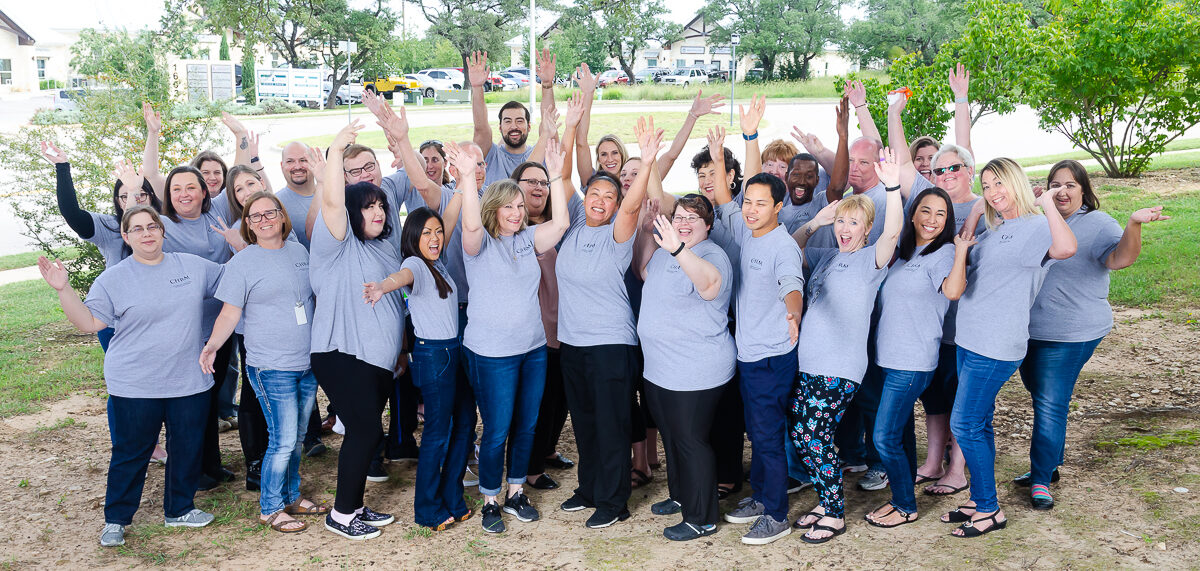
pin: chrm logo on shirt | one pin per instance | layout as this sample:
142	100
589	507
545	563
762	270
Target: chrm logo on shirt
181	281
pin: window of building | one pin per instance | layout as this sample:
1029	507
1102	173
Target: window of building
6	76
680	63
698	62
41	69
651	62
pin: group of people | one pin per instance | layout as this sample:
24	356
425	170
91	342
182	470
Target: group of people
771	305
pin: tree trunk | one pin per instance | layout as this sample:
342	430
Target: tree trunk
626	65
768	63
466	71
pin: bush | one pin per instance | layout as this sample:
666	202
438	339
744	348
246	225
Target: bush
49	84
275	106
56	117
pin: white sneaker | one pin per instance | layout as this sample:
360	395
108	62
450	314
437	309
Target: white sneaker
194	518
470	478
112	535
338	427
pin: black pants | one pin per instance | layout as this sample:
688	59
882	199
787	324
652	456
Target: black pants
639	410
685	419
728	433
552	414
360	391
210	458
252	425
402	423
598	381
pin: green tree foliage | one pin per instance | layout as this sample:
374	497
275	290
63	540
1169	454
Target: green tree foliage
248	74
623	26
471	25
1120	78
574	45
335	21
773	28
223	54
925	113
896	27
111	128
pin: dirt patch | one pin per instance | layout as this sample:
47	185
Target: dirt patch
1117	504
1162	182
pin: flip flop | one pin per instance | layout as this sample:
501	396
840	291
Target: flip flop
280	525
923	479
969	529
818	527
952	491
890	512
296	508
640	478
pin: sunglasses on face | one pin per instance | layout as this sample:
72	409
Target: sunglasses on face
952	168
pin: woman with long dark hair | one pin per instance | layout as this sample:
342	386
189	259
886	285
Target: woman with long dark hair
1071	315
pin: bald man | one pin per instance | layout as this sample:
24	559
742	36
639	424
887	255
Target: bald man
301	185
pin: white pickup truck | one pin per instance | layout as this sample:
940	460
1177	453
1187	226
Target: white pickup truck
685	77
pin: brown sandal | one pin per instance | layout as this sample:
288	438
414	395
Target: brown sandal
314	508
281	526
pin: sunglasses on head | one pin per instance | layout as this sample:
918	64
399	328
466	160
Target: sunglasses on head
952	168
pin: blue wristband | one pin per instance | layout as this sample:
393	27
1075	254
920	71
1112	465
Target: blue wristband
750	137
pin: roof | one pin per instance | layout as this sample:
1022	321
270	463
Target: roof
23	37
519	40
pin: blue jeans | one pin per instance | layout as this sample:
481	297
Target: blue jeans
766	385
1049	373
894	432
979	381
287	398
133	425
449	421
856	434
509	392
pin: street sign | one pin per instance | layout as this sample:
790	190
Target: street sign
348	46
735	39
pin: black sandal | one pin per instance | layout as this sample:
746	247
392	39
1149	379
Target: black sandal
957	516
818	527
894	509
798	525
969	529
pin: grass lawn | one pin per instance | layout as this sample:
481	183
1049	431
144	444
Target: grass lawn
620	124
817	88
27	259
42	357
1167	274
1162	162
1176	145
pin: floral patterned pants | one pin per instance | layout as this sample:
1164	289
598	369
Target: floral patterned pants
818	403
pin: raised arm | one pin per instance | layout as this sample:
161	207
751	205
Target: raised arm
649	143
574	116
316	166
547	131
703	274
839	175
333	195
960	81
643	244
547	65
395	128
77	313
889	174
547	234
701	106
150	153
1062	239
472	218
583	152
716	151
815	147
956	283
857	94
77	218
1130	246
899	144
478	70
241	138
824	217
750	119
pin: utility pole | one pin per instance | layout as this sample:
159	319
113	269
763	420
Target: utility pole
734	40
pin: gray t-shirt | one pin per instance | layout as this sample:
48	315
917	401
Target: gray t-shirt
158	314
501	162
823	237
841	295
107	238
503	316
793	217
197	237
297	206
685	339
1073	303
220	207
1006	270
271	287
342	322
770	267
912	309
433	317
961	211
402	196
593	304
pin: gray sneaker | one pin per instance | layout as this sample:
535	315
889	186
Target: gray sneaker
112	535
766	530
746	511
194	518
874	479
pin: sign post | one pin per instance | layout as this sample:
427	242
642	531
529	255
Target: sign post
348	47
734	40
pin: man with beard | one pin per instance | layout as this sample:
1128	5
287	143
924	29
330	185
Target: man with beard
514	117
301	185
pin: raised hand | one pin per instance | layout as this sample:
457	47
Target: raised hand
477	68
649	139
546	65
372	293
705	105
585	78
394	148
1038	190
373	102
960	81
1046	201
574	109
752	116
650	210
230	234
395	124
809	141
963	242
233	124
1151	214
667	237
554	158
346	136
826	215
900	104
549	126
129	175
52	153
316	163
888	168
716	144
842	111
53	272
153	120
462	163
855	92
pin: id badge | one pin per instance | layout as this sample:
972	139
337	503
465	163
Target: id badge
301	317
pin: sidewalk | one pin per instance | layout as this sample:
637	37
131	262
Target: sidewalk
19	275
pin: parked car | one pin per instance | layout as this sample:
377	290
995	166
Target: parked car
64	99
347	93
718	75
686	76
525	72
520	80
612	77
433	79
390	84
755	74
650	74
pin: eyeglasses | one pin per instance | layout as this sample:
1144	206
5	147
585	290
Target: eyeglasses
369	167
692	219
151	228
264	215
535	182
137	197
952	168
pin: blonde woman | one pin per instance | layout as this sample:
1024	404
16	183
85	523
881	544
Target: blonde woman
1006	271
